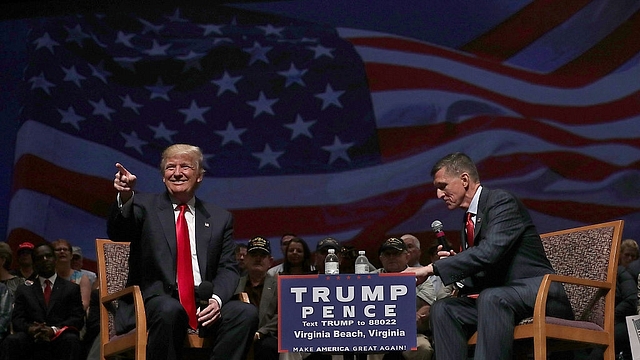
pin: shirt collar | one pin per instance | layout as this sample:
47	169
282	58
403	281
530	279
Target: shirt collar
473	207
52	279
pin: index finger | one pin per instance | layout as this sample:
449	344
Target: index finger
121	169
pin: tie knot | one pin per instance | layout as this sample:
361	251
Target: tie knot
469	216
47	282
183	207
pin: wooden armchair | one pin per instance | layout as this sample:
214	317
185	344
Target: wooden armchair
586	262
113	269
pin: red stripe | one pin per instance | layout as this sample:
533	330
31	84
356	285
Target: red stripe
383	77
584	213
523	28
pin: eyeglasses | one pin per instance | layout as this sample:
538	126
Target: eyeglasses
63	249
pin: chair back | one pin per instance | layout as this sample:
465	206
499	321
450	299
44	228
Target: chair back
588	252
113	268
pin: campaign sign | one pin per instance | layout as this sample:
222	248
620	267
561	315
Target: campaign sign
346	312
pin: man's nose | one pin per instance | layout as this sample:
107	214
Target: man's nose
439	194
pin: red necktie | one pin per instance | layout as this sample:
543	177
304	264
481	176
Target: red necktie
186	289
469	225
47	291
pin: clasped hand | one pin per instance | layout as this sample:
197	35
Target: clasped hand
41	332
209	314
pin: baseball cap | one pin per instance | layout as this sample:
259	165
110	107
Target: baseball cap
328	243
26	246
392	243
77	250
259	243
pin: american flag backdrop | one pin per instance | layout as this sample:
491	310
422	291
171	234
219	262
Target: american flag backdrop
328	131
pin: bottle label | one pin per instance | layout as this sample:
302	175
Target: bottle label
331	268
362	269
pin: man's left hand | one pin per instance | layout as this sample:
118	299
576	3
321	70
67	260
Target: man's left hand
209	314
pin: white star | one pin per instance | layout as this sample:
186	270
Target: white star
161	132
231	134
300	127
124	39
133	141
99	72
271	30
330	97
70	117
267	156
262	105
101	108
293	76
226	83
157	49
338	150
159	90
194	113
127	102
209	28
149	27
127	62
191	60
258	53
176	17
45	41
41	82
76	35
72	75
320	50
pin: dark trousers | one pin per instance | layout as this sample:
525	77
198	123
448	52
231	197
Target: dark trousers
266	348
20	345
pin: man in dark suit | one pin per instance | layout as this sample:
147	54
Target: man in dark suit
151	223
45	329
498	272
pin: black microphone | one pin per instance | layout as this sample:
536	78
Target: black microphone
204	292
436	226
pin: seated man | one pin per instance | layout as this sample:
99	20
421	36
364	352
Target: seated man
47	314
262	291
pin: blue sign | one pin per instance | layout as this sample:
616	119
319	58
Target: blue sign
347	312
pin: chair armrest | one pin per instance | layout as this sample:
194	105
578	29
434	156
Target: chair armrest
119	294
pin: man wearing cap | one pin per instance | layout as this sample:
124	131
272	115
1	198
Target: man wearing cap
25	262
322	249
262	292
394	257
77	263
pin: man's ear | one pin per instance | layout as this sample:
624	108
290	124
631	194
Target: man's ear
465	179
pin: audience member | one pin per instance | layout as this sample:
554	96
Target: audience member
500	269
25	262
47	314
241	253
322	249
77	263
6	307
262	291
433	257
413	247
284	241
628	252
297	260
6	277
162	253
394	256
63	250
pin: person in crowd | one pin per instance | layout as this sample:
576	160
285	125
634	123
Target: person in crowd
25	262
6	277
47	314
433	257
322	249
63	251
499	270
284	242
626	305
413	247
77	263
298	258
262	291
181	245
6	307
241	253
628	252
394	256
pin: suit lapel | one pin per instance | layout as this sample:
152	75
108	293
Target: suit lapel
167	219
482	204
203	234
39	294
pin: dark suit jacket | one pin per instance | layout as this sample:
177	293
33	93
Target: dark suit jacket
507	246
65	306
268	310
149	224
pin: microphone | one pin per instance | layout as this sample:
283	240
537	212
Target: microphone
204	292
436	226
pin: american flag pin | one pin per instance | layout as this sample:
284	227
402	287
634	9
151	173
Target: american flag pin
206	224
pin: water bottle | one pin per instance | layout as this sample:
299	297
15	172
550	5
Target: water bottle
331	266
362	263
